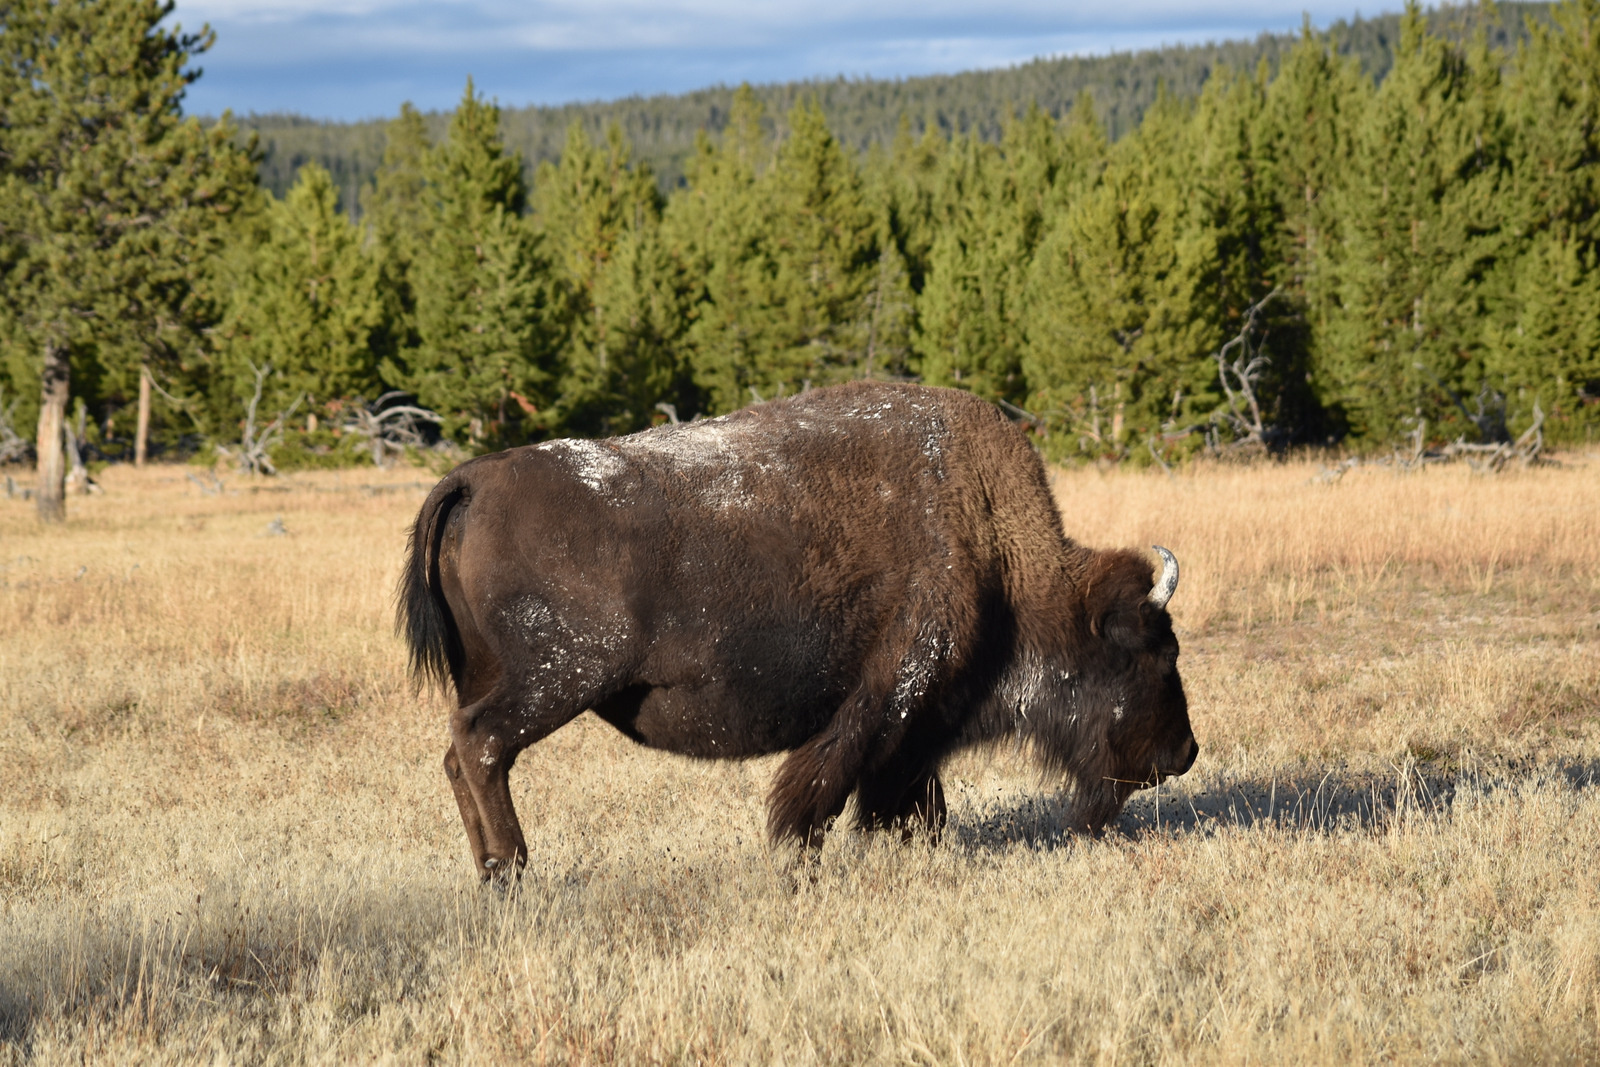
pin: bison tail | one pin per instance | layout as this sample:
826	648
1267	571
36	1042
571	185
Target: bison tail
422	616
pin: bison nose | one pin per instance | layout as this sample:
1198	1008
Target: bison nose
1194	750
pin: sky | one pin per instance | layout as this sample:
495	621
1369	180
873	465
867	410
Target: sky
355	59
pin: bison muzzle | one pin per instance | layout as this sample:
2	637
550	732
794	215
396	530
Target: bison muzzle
868	577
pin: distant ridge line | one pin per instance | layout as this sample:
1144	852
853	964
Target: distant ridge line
867	111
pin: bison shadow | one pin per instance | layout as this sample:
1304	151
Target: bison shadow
1309	802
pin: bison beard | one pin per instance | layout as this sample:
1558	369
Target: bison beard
868	577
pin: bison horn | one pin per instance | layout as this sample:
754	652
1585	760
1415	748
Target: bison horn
1168	581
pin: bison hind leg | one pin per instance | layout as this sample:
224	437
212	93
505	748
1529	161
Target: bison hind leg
485	738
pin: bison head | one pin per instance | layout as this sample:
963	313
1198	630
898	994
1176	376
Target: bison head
1131	698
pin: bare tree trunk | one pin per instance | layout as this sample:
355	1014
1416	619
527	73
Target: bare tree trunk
56	381
141	434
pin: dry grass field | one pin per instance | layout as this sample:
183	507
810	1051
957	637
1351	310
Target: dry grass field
225	836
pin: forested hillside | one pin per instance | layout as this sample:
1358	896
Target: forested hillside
866	112
1298	254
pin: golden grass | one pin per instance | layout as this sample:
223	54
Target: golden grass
224	834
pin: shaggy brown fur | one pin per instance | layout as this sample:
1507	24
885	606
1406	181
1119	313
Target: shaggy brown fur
868	577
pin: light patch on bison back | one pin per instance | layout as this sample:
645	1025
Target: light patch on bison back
872	411
708	443
594	463
719	457
722	459
922	421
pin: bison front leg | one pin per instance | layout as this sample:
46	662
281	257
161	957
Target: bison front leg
887	801
1096	802
810	791
818	777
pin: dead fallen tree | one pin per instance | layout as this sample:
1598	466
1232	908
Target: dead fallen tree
389	427
1489	457
1485	457
1240	430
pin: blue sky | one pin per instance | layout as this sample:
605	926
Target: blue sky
351	59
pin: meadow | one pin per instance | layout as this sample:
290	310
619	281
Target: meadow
225	835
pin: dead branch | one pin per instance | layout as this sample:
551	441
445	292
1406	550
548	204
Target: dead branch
214	489
1329	475
13	446
1155	454
1492	458
253	455
1419	453
1491	423
1242	361
1093	432
1022	415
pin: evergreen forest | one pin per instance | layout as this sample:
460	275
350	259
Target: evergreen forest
1313	247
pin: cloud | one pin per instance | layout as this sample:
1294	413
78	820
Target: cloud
351	58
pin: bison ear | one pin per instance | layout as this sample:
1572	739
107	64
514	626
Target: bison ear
1124	625
1118	599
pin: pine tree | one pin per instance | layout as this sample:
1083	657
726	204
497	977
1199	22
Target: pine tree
483	358
995	205
1553	102
784	300
586	208
715	227
900	187
1305	139
645	295
1122	299
107	198
172	297
1549	352
305	304
1243	202
812	321
1313	109
967	334
395	211
1421	241
887	310
1545	345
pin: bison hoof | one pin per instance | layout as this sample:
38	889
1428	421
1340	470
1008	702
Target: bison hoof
500	874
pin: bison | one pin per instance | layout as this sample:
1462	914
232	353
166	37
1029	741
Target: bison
868	577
